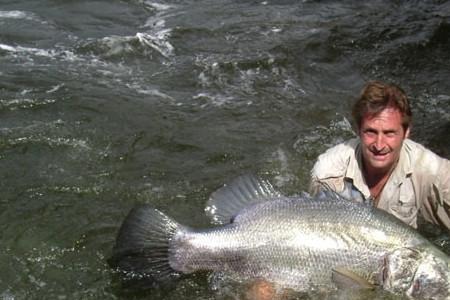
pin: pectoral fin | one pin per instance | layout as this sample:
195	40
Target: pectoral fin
344	278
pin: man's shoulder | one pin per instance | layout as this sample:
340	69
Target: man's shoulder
334	161
422	158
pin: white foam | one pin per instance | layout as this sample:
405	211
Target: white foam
157	6
116	44
158	20
51	142
343	124
29	52
19	15
55	88
157	41
285	175
214	100
323	137
14	104
14	14
35	51
25	91
7	295
7	48
152	92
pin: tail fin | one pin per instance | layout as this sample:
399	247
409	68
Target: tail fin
142	244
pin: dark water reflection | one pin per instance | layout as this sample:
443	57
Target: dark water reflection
105	104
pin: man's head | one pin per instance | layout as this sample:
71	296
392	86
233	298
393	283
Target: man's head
382	115
376	96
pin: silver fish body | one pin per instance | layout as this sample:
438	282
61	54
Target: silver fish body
293	242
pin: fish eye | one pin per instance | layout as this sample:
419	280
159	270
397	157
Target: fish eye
416	286
423	287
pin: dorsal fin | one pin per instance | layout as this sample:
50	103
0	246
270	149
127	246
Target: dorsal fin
225	203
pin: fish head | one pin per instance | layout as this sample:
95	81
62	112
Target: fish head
422	273
431	279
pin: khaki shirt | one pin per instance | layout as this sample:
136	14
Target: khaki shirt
419	184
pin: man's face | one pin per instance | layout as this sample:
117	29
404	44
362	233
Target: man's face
382	137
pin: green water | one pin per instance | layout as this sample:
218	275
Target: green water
106	104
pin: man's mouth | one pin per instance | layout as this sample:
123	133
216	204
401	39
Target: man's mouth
380	155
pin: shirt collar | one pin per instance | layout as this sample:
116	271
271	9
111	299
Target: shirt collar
355	170
404	167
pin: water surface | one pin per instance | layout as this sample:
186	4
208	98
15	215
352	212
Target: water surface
106	104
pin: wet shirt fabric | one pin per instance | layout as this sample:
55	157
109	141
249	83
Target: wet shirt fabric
419	184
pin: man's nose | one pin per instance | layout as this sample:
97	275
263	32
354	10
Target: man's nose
380	142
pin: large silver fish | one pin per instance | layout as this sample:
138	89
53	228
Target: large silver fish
302	243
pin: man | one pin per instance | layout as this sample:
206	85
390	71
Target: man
385	167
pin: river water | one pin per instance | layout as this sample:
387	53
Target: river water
106	104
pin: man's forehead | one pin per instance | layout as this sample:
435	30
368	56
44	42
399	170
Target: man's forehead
390	114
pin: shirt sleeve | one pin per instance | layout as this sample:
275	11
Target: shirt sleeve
318	182
441	192
329	169
436	198
314	185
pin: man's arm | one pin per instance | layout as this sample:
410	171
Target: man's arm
441	192
330	167
436	198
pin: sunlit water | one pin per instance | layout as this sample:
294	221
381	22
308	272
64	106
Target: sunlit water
106	104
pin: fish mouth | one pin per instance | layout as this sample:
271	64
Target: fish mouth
431	279
419	273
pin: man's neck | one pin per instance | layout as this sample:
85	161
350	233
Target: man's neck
376	181
375	178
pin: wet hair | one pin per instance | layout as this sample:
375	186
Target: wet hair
376	96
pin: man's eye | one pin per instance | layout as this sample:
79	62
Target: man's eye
369	132
390	134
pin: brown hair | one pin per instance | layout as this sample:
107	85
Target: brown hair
377	96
